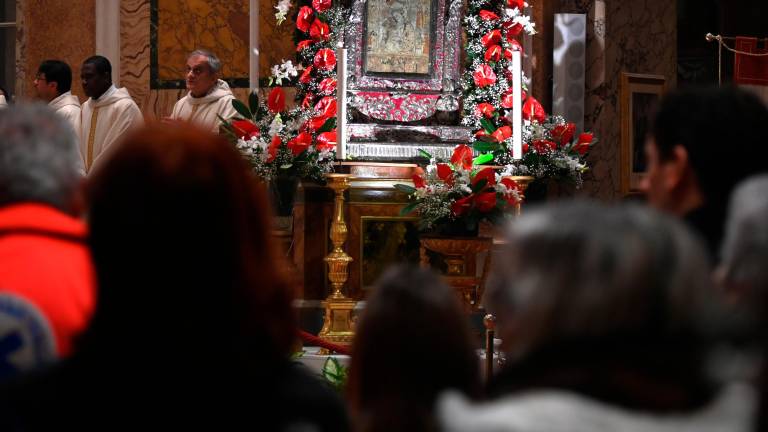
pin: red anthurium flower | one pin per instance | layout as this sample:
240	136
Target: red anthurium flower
513	30
461	206
445	173
582	145
319	31
563	133
485	201
514	46
321	5
325	59
512	186
526	147
327	86
276	100
326	106
326	141
493	53
306	76
462	157
245	129
486	173
507	99
484	76
480	133
309	99
419	182
299	144
544	146
273	147
485	109
314	123
493	37
532	110
303	19
502	133
519	4
304	45
488	15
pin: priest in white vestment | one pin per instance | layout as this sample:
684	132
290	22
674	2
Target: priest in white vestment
209	97
107	114
53	84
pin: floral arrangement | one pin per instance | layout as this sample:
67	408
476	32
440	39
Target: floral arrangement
299	142
460	193
549	148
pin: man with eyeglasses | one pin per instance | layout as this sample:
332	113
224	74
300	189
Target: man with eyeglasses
209	97
53	85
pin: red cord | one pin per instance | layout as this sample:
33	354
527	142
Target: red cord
316	341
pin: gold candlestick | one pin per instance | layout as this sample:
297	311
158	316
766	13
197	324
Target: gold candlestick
523	182
337	323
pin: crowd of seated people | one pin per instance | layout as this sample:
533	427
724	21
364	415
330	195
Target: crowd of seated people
150	295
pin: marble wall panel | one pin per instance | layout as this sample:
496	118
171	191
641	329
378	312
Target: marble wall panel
637	37
49	29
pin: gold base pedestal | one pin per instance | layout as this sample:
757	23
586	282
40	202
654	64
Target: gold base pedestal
338	324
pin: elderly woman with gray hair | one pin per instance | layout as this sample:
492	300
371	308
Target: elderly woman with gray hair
606	315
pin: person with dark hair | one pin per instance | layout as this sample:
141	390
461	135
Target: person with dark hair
53	85
209	98
193	323
412	343
703	142
45	263
607	316
108	113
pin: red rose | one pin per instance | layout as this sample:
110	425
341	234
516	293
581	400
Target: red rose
304	45
486	173
519	4
461	206
582	145
300	144
493	53
273	147
445	173
484	76
245	129
502	133
544	146
485	109
419	182
327	107
485	201
303	19
462	157
563	133
493	37
488	15
321	5
276	100
532	110
327	86
319	31
326	141
325	59
306	76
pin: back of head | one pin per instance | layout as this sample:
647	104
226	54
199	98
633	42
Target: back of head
181	244
585	284
411	343
39	158
719	127
59	72
745	247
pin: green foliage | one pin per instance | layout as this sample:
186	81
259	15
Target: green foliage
242	109
335	373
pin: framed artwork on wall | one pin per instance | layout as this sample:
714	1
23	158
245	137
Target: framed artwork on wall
640	95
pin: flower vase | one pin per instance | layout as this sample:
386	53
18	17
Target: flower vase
282	192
